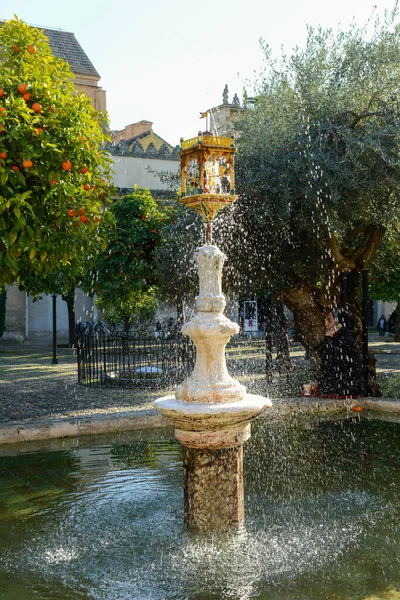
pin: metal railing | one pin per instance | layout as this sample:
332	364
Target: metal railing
127	361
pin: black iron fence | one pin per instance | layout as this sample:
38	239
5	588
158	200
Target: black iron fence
126	361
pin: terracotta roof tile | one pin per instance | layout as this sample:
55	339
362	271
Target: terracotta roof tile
66	46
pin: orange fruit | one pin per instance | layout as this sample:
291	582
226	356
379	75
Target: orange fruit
3	111
16	48
22	88
36	107
357	408
51	108
67	165
72	212
81	210
53	181
26	97
3	154
84	219
38	131
14	168
1	92
31	49
84	170
86	187
96	219
27	164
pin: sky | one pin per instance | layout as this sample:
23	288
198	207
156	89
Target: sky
166	61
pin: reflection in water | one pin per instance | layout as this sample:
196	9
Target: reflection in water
106	521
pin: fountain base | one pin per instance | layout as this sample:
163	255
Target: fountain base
212	436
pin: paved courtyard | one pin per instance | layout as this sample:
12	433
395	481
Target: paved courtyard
32	388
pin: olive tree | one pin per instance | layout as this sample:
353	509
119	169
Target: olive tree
318	169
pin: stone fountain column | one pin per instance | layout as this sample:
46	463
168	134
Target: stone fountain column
211	411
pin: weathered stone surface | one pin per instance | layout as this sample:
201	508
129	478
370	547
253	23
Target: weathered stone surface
201	417
213	484
221	438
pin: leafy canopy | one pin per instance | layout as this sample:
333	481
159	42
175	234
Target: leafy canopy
318	169
54	175
124	275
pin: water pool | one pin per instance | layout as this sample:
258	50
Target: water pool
102	518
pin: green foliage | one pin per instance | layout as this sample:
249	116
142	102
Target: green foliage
385	271
319	154
124	275
175	258
58	131
390	386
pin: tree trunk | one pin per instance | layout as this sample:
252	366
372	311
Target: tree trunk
396	337
265	314
280	337
304	303
69	299
309	305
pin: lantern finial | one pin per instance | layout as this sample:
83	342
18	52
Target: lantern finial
207	174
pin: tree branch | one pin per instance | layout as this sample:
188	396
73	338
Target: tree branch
357	258
358	117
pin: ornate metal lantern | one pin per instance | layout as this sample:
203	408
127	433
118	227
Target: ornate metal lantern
207	175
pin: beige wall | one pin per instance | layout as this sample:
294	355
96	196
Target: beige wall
131	170
90	87
15	323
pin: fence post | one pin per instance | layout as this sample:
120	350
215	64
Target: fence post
54	359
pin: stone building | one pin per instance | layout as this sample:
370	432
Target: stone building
65	46
220	120
138	154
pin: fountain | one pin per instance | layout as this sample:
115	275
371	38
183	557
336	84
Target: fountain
211	411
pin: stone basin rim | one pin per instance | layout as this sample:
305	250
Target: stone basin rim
251	403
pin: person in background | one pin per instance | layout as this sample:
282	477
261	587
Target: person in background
382	325
340	362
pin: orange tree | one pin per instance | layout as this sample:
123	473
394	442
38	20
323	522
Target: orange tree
124	276
54	174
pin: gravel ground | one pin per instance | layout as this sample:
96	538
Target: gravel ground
31	388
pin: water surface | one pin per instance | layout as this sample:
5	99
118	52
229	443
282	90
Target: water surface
102	518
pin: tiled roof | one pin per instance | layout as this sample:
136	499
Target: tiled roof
65	46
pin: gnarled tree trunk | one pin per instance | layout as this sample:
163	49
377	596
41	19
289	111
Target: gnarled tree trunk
309	303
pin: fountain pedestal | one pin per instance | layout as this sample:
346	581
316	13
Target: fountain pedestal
211	411
213	484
